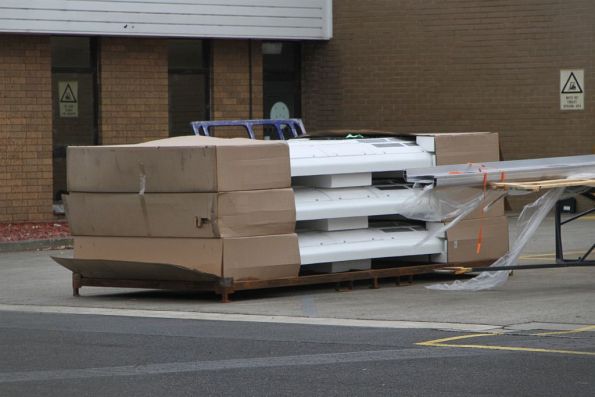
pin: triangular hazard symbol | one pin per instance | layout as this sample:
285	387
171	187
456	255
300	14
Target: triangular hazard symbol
68	95
572	86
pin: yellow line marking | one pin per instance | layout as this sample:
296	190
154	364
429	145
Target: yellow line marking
573	331
440	343
588	217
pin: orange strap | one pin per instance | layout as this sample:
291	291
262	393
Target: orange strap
479	240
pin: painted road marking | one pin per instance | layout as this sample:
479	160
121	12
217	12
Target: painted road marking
551	255
229	364
444	342
346	322
572	331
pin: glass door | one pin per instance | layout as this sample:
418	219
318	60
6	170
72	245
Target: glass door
74	90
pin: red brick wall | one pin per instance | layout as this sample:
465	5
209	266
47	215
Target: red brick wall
133	90
231	80
25	129
462	65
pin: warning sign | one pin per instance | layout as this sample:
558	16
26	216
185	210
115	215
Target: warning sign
68	98
572	89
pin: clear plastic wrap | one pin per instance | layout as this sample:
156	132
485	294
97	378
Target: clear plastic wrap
528	222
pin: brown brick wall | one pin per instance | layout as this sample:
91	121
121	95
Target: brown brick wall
25	129
461	65
133	89
230	98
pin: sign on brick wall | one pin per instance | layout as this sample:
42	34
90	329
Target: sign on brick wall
572	89
68	98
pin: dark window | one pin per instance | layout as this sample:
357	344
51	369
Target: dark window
281	80
188	84
74	88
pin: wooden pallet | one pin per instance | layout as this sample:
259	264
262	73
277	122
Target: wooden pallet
226	286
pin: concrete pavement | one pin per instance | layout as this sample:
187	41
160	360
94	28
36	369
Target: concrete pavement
554	297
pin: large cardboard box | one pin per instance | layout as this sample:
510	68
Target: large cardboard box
205	215
181	164
462	239
463	194
461	147
243	258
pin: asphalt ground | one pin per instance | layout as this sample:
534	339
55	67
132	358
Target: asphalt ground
531	336
78	355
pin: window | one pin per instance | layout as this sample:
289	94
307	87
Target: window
188	84
281	81
74	88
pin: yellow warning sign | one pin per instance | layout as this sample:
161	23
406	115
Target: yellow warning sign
68	98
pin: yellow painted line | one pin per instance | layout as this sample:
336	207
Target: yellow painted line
573	331
440	343
588	218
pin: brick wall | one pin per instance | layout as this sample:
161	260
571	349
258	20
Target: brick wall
462	65
133	90
231	83
25	129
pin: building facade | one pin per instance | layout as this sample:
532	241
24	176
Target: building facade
457	65
115	72
112	72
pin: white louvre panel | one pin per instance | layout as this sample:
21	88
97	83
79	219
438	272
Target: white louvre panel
349	156
264	19
312	203
347	245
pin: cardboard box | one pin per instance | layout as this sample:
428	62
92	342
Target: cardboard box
181	164
461	241
204	215
461	147
243	258
462	194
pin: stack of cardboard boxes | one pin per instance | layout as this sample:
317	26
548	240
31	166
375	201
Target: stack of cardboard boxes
224	208
481	236
219	206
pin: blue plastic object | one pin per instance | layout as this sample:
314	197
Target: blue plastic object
295	125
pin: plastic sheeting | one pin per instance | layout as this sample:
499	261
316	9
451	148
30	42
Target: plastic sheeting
432	204
436	204
528	222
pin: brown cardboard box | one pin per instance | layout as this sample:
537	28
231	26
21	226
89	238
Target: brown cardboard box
205	215
181	164
463	148
243	258
462	238
462	194
466	147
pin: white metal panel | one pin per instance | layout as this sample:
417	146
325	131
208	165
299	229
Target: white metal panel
312	203
334	181
321	247
347	156
265	19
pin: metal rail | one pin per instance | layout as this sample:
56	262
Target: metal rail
296	126
499	171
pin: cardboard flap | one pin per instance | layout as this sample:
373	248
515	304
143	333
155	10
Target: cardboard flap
181	164
134	215
462	148
271	257
261	167
468	230
123	270
256	212
204	255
